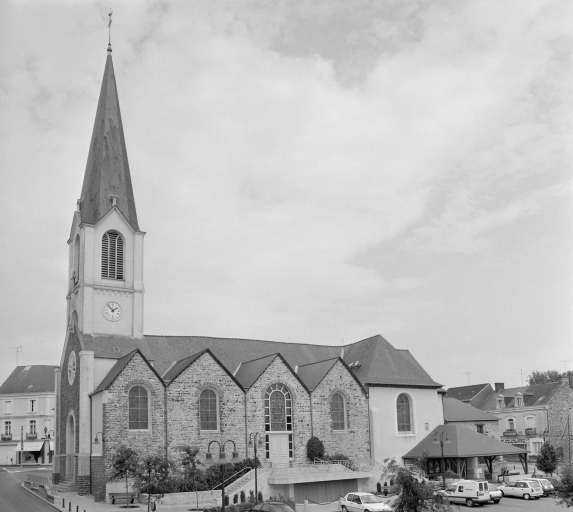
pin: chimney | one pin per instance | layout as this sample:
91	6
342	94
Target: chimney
565	381
499	386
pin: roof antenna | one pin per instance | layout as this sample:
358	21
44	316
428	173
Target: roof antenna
468	374
18	350
109	28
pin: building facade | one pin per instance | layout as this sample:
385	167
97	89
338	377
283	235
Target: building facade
365	400
528	415
27	401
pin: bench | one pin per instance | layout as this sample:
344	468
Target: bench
122	497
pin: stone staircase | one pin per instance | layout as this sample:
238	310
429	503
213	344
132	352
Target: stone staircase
65	486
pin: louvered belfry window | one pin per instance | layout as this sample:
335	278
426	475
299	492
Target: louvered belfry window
112	256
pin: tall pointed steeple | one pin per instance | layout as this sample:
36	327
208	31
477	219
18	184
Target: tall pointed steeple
107	180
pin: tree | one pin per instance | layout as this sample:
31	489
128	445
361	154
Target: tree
154	477
414	493
314	448
564	496
547	458
538	377
124	464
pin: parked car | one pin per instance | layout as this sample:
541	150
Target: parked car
495	494
363	502
525	489
555	482
545	484
271	506
470	492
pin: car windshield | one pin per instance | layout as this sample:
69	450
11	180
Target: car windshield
451	488
545	482
491	487
370	498
535	485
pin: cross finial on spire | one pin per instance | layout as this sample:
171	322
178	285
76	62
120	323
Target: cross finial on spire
109	28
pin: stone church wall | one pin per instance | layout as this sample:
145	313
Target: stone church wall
115	413
355	440
277	371
69	402
183	408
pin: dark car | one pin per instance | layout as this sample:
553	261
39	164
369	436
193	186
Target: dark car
557	484
271	506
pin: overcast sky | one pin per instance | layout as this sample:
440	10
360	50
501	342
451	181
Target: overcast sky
310	171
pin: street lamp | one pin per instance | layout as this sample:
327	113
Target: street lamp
254	441
47	432
441	439
222	459
96	439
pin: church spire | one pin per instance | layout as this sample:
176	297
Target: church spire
107	181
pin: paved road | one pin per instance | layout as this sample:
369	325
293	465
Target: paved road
15	499
519	505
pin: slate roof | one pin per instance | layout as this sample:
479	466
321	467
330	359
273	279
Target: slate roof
30	379
468	393
455	411
248	373
538	394
313	373
107	170
117	368
463	443
181	365
380	363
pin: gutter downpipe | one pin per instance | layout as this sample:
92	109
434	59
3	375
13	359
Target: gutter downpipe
246	427
165	419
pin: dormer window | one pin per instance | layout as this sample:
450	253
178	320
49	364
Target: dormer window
112	256
518	401
500	403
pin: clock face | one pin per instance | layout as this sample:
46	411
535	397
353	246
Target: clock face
112	311
71	367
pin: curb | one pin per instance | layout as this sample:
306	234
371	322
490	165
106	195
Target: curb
39	497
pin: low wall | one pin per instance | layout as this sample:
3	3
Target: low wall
206	499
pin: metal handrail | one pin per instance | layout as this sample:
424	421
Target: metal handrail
235	474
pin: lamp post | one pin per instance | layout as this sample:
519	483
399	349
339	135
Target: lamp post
96	439
47	432
222	459
441	439
254	441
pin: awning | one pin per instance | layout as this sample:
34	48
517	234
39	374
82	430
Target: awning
30	446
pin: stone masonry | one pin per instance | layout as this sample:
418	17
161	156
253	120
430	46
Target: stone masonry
558	409
278	371
183	408
354	441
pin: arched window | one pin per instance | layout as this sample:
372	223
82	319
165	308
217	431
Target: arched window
338	412
510	423
138	408
530	422
208	410
278	409
404	413
112	256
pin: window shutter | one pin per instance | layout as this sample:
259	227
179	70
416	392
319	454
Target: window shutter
112	256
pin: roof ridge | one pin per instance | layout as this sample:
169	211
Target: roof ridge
318	362
275	354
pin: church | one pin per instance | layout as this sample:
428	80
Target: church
116	385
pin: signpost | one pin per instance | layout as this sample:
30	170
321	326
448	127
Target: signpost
22	439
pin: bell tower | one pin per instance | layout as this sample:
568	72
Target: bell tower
105	284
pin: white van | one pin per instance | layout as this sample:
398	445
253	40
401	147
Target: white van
470	492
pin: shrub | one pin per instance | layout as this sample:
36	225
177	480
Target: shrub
243	497
252	497
314	448
283	499
260	496
235	499
379	487
547	459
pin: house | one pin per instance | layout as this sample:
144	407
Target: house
117	386
528	415
27	400
470	417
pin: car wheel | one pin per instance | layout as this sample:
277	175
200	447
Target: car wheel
496	501
344	509
470	502
526	496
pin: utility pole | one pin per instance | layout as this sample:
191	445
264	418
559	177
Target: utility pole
22	440
521	373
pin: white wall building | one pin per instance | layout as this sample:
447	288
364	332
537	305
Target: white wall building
27	409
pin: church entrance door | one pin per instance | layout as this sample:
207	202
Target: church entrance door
71	448
279	448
